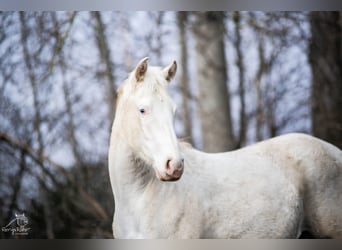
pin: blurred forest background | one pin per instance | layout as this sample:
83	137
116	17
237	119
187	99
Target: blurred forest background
242	77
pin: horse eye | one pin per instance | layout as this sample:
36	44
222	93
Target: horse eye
142	111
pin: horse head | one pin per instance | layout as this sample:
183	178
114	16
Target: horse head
146	112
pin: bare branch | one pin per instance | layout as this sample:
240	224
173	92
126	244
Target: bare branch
40	159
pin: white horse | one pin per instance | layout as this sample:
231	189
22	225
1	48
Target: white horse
273	189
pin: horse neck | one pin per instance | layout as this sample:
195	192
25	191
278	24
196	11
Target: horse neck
129	174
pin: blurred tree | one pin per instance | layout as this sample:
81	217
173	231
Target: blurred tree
37	120
28	59
325	57
182	20
62	63
241	138
278	81
214	96
58	200
154	38
105	58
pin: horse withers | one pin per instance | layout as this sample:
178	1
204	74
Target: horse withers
164	188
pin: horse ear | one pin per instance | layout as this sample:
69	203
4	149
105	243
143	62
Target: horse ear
141	69
170	71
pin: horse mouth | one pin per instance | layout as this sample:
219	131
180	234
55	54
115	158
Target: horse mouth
168	178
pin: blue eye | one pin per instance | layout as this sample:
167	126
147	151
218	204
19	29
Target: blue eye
142	111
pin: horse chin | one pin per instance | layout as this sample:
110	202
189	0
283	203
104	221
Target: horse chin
166	177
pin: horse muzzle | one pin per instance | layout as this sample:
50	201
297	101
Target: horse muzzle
173	170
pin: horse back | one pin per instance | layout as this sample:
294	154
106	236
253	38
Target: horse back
319	164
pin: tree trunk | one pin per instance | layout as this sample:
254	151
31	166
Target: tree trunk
239	63
104	50
259	104
33	81
17	186
214	98
37	117
66	94
184	79
326	64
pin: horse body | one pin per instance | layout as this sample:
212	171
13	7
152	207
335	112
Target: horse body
272	189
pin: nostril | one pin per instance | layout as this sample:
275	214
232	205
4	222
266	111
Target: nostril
168	164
